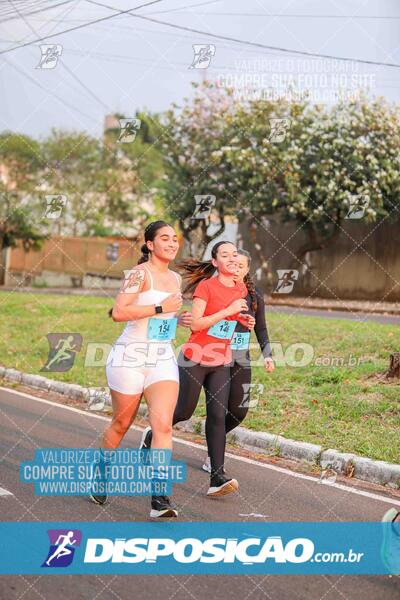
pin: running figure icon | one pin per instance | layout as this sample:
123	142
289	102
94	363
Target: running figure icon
64	348
62	549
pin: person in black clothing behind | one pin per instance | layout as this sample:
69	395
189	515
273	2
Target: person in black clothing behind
239	395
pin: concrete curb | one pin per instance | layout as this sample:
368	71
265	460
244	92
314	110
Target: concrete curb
315	305
330	461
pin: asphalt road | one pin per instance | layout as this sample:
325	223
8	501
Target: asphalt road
334	314
278	494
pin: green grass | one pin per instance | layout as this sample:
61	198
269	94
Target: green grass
338	406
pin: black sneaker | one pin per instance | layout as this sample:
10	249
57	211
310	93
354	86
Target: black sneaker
99	477
145	442
161	507
221	485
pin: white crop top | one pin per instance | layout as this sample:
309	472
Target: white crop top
137	330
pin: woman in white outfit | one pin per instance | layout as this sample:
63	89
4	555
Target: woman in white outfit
142	360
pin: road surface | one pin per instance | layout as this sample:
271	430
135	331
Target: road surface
275	493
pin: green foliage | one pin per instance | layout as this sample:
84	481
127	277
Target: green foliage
20	211
328	156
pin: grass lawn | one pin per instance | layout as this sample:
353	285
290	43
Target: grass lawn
338	405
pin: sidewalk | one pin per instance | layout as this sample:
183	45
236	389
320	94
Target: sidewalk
366	306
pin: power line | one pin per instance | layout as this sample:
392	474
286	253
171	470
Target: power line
197	31
170	10
72	74
142	61
33	12
47	37
248	43
280	15
127	28
12	2
67	104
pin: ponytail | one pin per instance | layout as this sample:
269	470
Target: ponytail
251	288
248	280
194	271
145	254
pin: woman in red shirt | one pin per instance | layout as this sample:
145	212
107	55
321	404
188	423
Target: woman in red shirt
204	360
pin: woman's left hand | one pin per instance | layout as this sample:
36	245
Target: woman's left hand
269	364
185	319
247	320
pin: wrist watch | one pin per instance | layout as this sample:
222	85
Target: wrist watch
158	308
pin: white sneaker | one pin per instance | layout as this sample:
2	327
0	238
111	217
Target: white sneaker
145	442
207	465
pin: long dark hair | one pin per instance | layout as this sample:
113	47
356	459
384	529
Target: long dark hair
149	235
194	270
248	280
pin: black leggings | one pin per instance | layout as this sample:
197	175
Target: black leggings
239	396
216	383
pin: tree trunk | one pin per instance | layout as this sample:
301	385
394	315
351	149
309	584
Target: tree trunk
3	256
314	242
393	371
195	234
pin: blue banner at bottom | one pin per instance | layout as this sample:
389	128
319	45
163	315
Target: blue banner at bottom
200	548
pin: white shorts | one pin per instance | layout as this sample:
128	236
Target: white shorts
132	367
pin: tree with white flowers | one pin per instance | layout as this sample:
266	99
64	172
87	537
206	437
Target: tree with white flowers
322	165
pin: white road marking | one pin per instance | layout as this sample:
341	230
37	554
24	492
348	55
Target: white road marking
4	492
339	486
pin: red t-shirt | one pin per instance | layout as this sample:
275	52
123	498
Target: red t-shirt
207	349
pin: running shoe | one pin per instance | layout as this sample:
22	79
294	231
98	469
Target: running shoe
145	442
221	485
390	549
161	507
207	466
99	478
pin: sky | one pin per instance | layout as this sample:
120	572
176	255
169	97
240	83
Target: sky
128	63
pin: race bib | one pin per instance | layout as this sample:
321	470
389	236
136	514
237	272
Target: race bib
240	340
222	329
162	329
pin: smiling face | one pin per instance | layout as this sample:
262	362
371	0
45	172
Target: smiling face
242	267
165	244
226	260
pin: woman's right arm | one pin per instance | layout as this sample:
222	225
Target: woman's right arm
125	307
200	322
